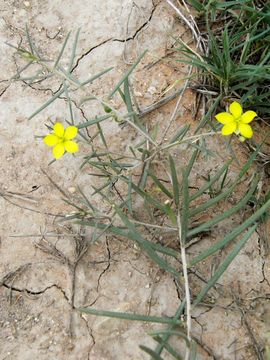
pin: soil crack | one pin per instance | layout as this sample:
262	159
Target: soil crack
107	267
35	292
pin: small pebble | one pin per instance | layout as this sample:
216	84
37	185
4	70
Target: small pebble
26	3
72	189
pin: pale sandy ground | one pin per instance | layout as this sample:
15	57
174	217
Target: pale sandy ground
36	319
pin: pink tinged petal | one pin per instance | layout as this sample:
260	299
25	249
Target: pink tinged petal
245	130
224	118
71	132
228	129
58	150
51	140
59	129
71	146
248	116
236	109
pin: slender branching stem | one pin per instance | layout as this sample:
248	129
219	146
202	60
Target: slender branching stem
185	273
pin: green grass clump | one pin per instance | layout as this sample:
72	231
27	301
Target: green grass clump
236	64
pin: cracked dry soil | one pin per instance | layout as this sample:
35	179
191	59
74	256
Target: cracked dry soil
47	267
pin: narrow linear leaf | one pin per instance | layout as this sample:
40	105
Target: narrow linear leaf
74	48
128	316
94	77
170	332
148	198
122	231
160	185
180	134
207	116
169	348
144	245
129	195
62	50
144	174
94	121
227	192
224	168
47	103
151	352
126	75
224	266
191	162
69	103
232	235
29	40
128	100
175	183
180	310
208	225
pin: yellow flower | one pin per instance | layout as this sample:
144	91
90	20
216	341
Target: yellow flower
60	140
236	122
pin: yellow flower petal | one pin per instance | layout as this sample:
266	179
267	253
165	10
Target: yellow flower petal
51	140
228	129
58	150
248	116
236	109
59	129
245	130
71	132
71	146
224	118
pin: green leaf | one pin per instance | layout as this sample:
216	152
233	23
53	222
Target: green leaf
180	310
122	231
209	224
232	235
94	121
151	352
224	266
126	75
96	76
175	183
129	316
74	48
160	185
211	181
180	134
47	103
62	50
169	348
